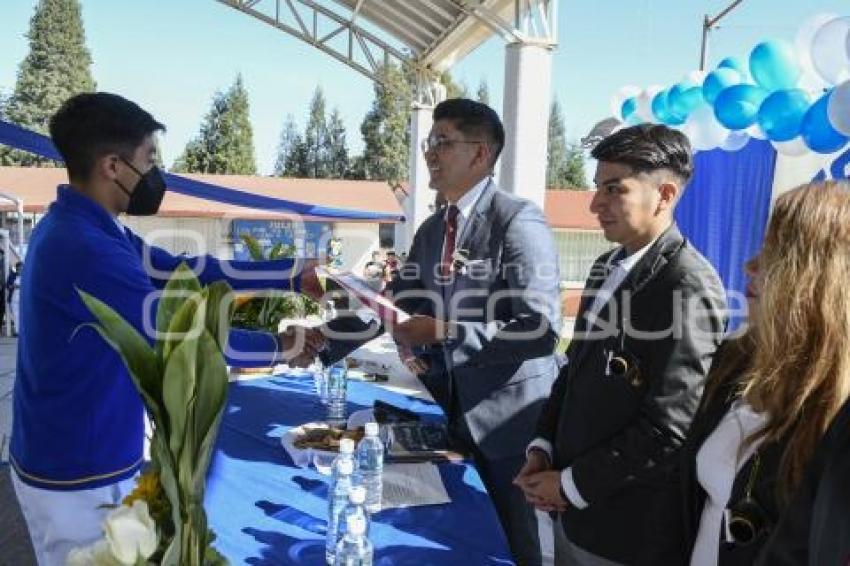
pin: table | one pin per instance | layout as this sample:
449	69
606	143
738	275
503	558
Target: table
266	511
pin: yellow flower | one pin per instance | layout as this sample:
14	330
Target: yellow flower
147	489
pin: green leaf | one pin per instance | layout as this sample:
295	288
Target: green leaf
209	405
219	312
185	323
277	251
134	350
182	284
178	390
253	246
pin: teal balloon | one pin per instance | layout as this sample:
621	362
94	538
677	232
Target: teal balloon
662	112
737	106
781	114
736	64
628	108
774	65
717	80
817	131
683	98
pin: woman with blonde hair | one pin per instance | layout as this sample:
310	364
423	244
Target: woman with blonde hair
773	392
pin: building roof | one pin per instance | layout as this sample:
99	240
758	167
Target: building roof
570	210
565	209
37	187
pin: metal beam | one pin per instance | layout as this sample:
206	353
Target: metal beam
374	50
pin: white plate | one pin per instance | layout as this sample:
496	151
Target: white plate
303	457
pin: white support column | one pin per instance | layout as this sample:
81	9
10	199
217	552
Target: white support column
419	194
528	77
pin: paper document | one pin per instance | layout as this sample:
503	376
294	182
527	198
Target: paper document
412	485
383	307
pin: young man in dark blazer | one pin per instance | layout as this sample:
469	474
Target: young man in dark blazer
652	315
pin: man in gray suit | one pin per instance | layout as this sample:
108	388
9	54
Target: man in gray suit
607	449
481	282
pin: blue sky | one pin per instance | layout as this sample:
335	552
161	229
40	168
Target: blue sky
171	56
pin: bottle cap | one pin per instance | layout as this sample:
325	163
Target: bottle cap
357	495
371	429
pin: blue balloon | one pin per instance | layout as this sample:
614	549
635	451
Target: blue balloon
662	112
628	107
736	64
737	107
717	80
817	131
774	65
781	114
683	98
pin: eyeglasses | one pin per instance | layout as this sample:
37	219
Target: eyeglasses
439	143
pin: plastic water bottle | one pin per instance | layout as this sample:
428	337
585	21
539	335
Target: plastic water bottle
320	373
342	471
370	466
356	506
354	549
337	388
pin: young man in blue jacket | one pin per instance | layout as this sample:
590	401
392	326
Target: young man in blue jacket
78	425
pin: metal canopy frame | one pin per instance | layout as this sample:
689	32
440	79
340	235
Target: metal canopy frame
429	35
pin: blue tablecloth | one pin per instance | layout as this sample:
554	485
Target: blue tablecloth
265	510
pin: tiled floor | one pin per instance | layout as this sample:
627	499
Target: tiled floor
8	347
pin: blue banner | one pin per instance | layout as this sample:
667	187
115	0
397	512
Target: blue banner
724	210
32	142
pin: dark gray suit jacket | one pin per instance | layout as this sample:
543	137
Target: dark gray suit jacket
506	304
621	435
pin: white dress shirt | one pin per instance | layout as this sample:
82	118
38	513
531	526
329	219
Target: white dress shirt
719	460
618	268
465	205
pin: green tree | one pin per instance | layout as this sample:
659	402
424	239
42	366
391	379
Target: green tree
453	89
337	152
4	102
57	67
483	93
225	144
289	137
386	128
565	162
316	137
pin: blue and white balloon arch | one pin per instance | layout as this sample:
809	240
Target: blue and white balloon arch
796	95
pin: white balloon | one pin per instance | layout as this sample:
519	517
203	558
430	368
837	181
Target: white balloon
838	108
791	148
620	97
695	77
704	131
805	35
736	140
829	51
755	132
644	103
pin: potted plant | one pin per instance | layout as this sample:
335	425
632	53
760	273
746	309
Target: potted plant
182	379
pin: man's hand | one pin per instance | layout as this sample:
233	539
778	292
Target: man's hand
419	330
300	344
536	461
543	490
310	284
416	365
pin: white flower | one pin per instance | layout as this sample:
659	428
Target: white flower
131	533
98	554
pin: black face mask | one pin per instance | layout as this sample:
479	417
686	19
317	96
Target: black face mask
147	194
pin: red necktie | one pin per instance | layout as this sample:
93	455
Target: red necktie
449	245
